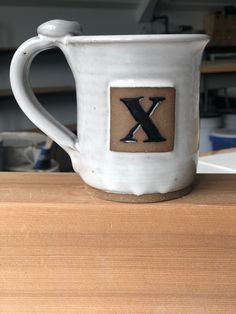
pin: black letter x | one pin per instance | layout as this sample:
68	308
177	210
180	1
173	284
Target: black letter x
143	119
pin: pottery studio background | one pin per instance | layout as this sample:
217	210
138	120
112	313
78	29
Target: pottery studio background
54	84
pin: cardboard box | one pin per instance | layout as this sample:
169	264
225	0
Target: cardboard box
221	28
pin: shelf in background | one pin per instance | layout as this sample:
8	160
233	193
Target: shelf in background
7	49
12	50
218	66
41	91
72	127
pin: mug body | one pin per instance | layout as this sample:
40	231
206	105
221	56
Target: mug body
138	116
137	101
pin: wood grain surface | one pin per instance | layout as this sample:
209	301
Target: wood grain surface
63	251
218	66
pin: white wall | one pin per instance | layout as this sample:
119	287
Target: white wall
20	23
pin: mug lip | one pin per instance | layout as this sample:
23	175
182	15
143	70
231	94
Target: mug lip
166	38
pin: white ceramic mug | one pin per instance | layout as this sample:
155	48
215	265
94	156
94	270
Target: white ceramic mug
138	117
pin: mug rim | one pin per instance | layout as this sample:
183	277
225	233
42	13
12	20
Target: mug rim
168	38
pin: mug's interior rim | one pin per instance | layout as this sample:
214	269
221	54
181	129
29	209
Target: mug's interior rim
139	38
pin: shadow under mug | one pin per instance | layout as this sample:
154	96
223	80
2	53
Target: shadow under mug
137	101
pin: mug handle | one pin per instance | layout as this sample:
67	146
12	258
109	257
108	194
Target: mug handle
51	34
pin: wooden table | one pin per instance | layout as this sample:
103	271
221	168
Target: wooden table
63	251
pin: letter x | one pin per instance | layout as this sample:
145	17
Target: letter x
143	119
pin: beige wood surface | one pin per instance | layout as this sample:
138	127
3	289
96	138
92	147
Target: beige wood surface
63	251
218	66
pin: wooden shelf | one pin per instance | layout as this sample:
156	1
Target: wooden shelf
41	91
65	251
12	50
218	66
72	127
7	50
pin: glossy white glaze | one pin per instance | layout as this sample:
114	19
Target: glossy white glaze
122	61
59	28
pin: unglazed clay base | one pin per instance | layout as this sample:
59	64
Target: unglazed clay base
145	198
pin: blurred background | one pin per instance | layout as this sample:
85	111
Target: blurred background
53	82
